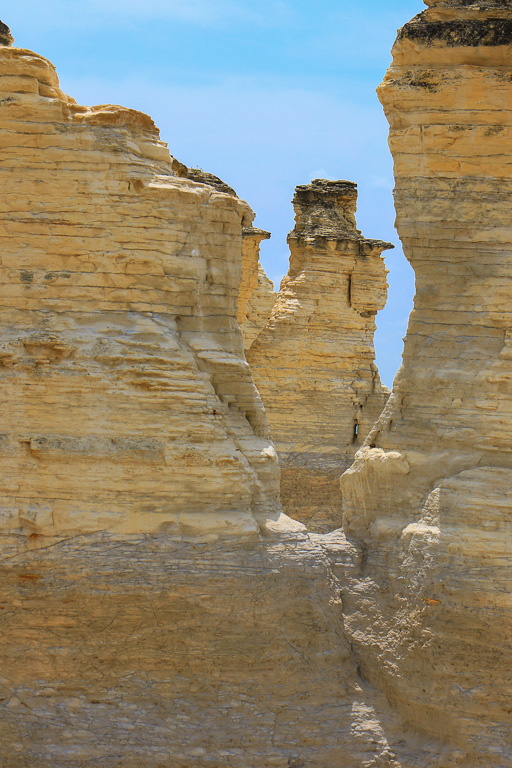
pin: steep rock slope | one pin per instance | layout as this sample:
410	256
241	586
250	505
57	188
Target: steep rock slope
128	404
431	501
313	363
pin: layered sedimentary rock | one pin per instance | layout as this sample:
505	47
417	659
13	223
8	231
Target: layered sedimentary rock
252	238
314	362
139	624
128	404
431	502
5	35
256	296
153	651
258	308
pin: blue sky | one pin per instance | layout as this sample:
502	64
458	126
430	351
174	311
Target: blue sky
267	94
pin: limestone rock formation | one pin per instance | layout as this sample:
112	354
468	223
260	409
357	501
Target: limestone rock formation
140	625
431	501
128	404
251	267
256	296
258	308
313	363
155	652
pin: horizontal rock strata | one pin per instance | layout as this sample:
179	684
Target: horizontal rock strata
128	404
314	362
430	501
258	308
153	651
251	267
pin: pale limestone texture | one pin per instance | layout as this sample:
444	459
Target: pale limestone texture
155	652
251	240
256	296
313	363
187	644
431	503
128	404
258	308
140	625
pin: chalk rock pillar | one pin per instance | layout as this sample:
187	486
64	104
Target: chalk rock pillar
429	494
314	362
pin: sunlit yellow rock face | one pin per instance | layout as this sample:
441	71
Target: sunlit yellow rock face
252	238
313	363
127	401
141	626
258	308
431	500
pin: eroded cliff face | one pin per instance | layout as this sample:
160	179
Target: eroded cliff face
128	404
258	308
252	238
256	295
140	623
313	363
431	502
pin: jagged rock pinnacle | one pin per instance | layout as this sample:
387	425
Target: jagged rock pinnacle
5	35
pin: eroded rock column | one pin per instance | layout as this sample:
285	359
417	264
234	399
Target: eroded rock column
430	502
314	361
128	404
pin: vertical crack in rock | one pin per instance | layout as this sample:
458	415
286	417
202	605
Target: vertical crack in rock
314	361
429	494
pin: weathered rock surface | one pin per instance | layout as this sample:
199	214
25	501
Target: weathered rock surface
251	267
140	626
155	651
256	296
313	363
5	35
431	502
128	404
258	308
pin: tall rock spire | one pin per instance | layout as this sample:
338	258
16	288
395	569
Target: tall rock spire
5	35
314	361
429	494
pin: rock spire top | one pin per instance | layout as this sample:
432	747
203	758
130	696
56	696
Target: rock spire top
325	209
5	35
